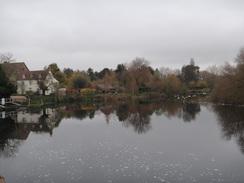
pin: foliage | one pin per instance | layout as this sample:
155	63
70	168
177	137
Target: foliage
121	74
78	81
54	68
61	77
225	82
91	74
120	68
42	86
102	73
6	87
171	85
57	74
229	86
157	85
190	73
198	84
208	77
138	74
87	91
68	72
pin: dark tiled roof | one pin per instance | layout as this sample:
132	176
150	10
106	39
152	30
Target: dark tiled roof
33	75
17	66
103	86
14	70
19	71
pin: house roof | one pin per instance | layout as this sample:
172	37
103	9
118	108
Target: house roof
103	86
14	69
33	75
19	71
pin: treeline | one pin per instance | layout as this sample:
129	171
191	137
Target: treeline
134	77
226	82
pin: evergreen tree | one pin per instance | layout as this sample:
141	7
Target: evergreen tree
190	72
6	87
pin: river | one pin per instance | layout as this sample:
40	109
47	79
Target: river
177	141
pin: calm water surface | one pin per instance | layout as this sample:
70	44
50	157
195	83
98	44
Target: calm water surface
155	142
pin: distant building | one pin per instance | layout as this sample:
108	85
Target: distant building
29	81
103	88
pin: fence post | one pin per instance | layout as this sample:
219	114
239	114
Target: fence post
3	101
3	114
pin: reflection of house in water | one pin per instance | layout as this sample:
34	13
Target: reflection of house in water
42	121
16	128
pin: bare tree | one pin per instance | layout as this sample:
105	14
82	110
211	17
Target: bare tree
6	57
165	72
240	57
139	72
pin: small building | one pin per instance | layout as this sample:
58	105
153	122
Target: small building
105	88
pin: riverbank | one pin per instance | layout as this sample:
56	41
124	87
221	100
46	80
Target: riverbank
37	101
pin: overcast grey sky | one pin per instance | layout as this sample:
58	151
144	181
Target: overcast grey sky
79	34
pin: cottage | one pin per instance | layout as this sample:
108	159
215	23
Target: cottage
105	88
30	81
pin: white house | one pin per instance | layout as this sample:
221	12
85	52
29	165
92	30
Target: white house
30	81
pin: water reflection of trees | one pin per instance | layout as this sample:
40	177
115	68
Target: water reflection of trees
13	131
231	120
139	115
189	111
79	112
186	111
136	115
8	146
131	115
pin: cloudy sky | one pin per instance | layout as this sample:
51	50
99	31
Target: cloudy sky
79	34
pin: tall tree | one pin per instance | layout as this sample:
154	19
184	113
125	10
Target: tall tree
102	73
240	57
79	81
229	86
53	67
139	72
56	72
190	72
121	73
68	72
6	87
91	74
61	77
120	68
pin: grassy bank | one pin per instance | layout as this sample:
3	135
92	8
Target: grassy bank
99	98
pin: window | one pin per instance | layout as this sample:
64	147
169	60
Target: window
23	76
31	75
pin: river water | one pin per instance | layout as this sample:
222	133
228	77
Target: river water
176	141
